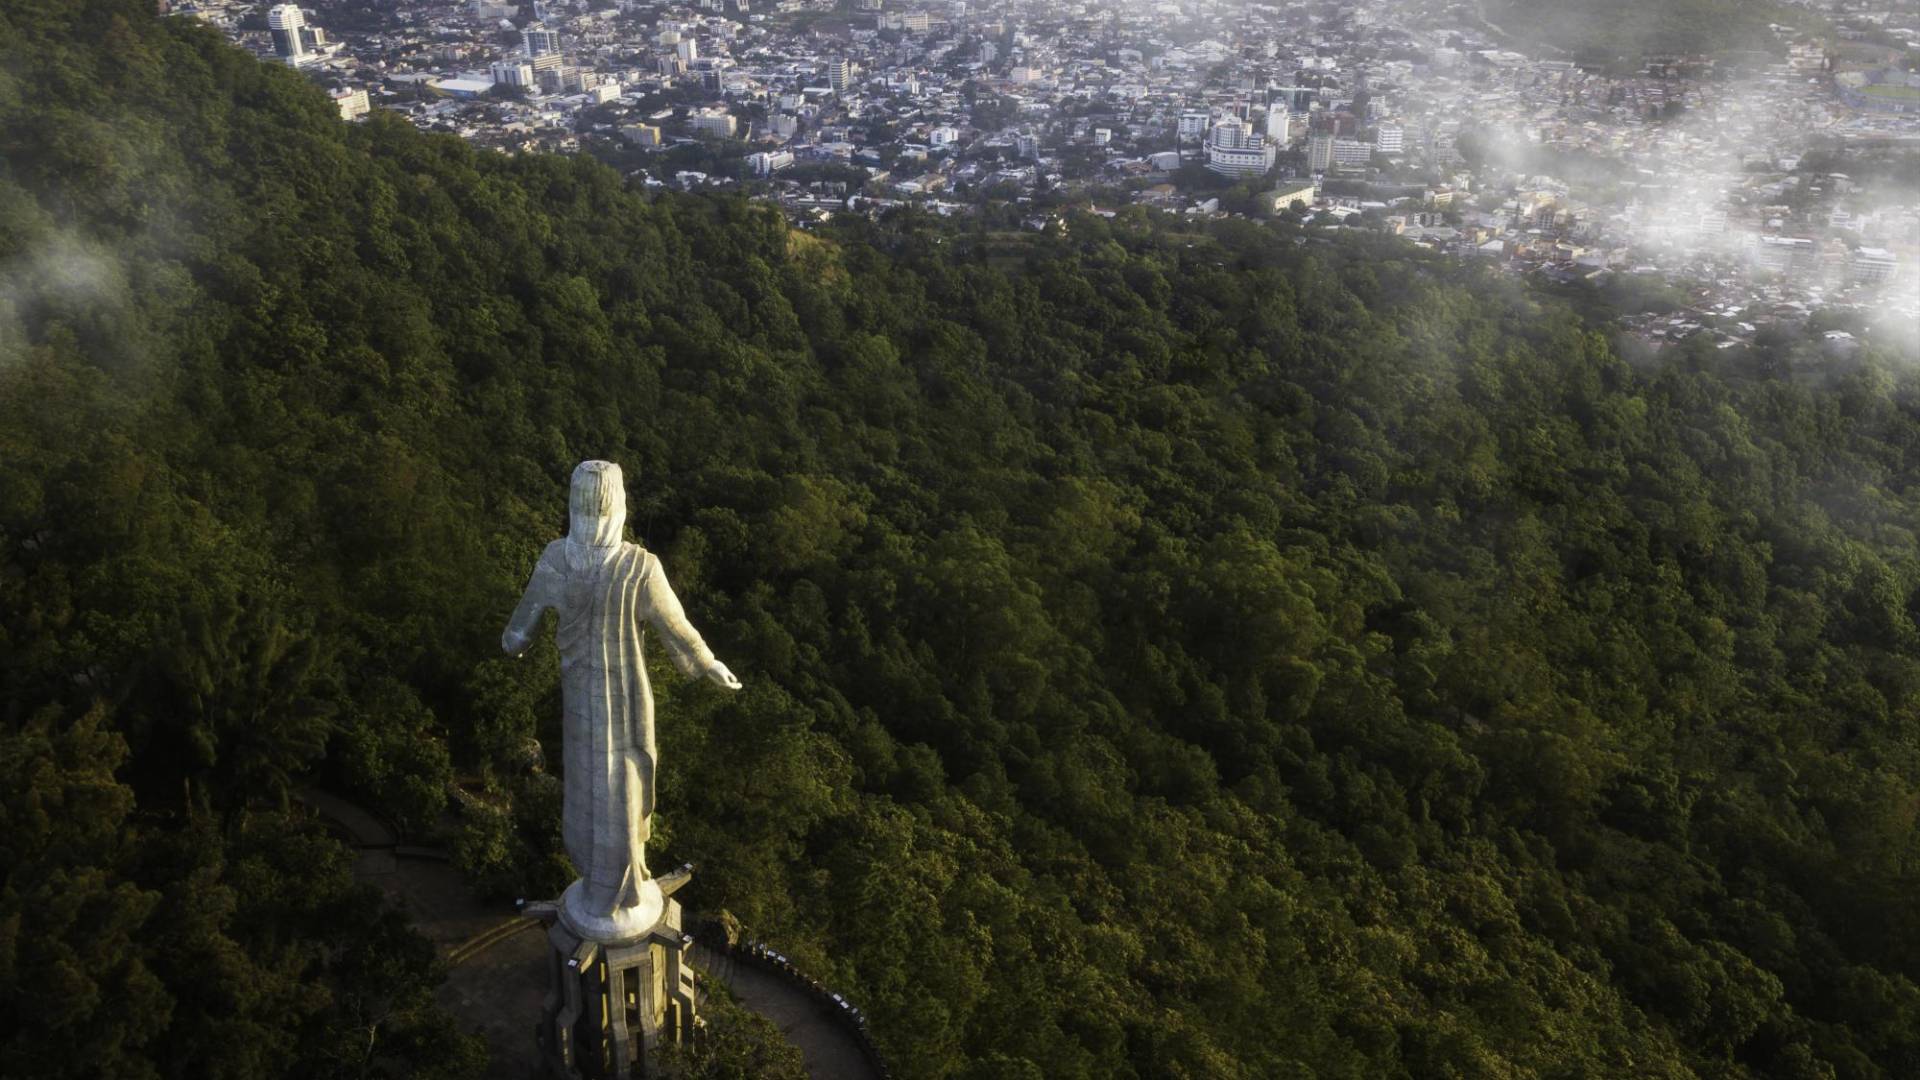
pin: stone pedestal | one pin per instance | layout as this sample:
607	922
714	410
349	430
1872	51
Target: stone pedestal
609	1006
627	924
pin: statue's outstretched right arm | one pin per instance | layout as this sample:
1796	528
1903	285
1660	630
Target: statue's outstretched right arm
542	589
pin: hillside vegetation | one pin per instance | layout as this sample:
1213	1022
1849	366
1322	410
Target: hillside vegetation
1201	653
1601	30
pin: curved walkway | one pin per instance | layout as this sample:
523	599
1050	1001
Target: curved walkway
828	1047
496	980
497	983
367	830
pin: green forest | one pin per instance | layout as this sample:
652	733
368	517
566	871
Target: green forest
1171	650
1602	30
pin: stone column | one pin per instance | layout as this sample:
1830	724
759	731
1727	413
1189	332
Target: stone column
609	1006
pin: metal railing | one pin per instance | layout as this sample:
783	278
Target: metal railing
770	960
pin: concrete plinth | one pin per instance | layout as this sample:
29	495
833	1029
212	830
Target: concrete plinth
624	925
608	1007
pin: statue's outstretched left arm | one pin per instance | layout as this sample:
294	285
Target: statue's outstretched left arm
684	644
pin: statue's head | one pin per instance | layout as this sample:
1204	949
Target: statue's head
597	504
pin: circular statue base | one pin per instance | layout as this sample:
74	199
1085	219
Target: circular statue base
622	926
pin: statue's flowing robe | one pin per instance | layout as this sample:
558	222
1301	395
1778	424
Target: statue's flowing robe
603	595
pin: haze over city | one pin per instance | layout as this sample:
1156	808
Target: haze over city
855	539
1725	188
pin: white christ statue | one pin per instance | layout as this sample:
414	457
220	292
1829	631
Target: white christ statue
606	591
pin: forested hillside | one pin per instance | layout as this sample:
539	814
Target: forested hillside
1170	650
1604	29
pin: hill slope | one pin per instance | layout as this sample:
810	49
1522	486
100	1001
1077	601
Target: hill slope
1605	29
1170	652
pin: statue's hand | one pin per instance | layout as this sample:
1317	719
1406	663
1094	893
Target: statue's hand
514	644
718	672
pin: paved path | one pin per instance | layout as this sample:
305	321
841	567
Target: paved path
498	992
365	830
828	1047
372	841
496	989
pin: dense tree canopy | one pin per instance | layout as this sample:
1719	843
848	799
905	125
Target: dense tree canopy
1170	651
1604	29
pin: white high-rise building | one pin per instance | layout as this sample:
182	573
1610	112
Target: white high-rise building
540	41
715	122
284	22
513	73
1351	153
1233	134
1297	99
769	162
1320	153
1785	255
1235	149
687	49
1873	265
1194	123
839	75
353	102
1390	139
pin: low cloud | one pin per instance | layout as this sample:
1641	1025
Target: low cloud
63	277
